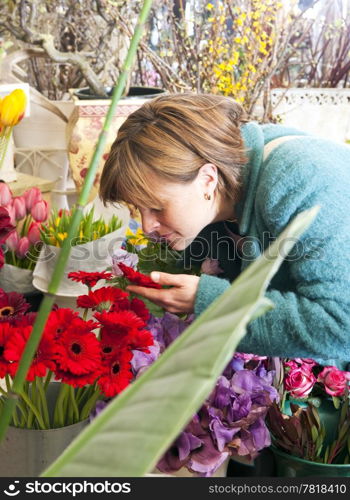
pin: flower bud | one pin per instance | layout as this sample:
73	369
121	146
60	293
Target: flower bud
19	205
5	194
32	196
22	248
12	108
40	211
12	241
34	233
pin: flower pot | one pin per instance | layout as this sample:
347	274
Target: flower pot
290	466
85	125
89	257
15	279
28	452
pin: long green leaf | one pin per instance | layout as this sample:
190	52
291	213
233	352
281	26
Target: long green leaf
132	433
58	272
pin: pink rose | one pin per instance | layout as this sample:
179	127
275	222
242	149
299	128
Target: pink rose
306	361
292	364
334	380
299	382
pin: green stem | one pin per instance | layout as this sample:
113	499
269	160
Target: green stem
47	380
59	415
43	402
74	405
5	139
34	410
85	412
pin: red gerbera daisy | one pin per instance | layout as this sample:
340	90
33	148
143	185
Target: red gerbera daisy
116	374
136	305
119	322
59	320
5	333
12	305
78	350
25	319
140	340
137	278
102	299
89	279
44	356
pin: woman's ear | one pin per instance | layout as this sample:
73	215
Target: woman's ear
208	178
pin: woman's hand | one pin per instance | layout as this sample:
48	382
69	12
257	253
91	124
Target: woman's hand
179	298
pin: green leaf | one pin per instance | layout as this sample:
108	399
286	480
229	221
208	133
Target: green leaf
336	402
137	427
314	433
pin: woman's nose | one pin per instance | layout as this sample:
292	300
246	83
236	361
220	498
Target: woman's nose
149	223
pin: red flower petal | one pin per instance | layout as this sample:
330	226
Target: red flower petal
89	279
137	278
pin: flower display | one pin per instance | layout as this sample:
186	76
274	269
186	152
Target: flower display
56	230
22	223
299	425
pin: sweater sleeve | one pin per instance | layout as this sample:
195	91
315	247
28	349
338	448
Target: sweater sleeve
311	317
209	288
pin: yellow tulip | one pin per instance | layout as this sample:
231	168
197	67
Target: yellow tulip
12	108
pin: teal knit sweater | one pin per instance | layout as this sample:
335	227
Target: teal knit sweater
311	290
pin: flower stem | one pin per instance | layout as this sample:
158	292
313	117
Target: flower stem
43	402
59	413
30	404
85	412
74	405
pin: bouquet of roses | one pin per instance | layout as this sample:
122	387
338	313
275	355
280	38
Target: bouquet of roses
313	419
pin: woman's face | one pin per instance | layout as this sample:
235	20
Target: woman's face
184	210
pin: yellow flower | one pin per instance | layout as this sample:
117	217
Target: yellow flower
12	108
62	236
137	238
209	6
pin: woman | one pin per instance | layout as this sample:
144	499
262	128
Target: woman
194	166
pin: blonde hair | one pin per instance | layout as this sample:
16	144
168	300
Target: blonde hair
172	136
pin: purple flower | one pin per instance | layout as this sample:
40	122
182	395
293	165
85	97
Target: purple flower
142	360
127	258
100	405
178	454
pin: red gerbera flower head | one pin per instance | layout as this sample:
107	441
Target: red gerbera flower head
25	319
6	330
78	350
119	323
59	320
12	305
116	374
136	305
137	278
102	299
44	356
89	279
140	340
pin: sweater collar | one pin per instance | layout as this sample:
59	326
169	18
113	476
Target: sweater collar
253	139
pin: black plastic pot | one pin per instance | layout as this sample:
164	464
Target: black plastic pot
144	92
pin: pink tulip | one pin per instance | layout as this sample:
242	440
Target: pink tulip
5	194
40	211
12	241
32	196
12	214
299	382
34	233
23	247
19	205
334	380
